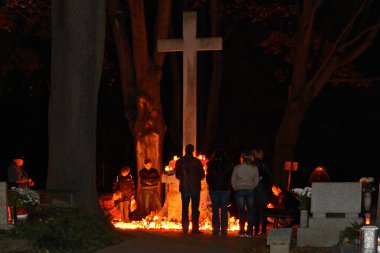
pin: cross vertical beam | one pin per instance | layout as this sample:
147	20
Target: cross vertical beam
189	45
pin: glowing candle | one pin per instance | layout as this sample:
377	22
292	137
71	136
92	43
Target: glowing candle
367	218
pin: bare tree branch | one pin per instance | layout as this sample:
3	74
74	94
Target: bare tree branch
357	37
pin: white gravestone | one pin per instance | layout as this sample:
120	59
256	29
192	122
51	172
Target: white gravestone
4	206
189	45
334	206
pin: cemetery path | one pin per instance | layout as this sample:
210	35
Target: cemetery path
176	241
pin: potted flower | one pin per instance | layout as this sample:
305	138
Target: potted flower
304	197
21	199
349	238
367	188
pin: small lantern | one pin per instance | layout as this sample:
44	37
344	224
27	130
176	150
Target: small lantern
367	218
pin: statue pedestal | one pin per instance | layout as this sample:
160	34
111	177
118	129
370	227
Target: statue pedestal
173	204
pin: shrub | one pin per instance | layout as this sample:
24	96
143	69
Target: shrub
67	230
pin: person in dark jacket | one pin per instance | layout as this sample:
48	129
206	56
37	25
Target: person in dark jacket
284	203
189	171
17	176
124	182
150	178
218	178
263	190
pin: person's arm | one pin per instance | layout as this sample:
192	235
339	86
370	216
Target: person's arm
178	170
233	178
157	177
256	176
25	178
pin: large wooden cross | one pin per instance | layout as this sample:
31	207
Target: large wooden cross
190	44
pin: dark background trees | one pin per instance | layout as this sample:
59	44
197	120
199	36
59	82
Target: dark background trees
338	130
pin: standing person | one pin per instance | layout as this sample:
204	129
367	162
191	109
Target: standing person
124	182
189	171
263	190
244	179
218	179
150	179
17	176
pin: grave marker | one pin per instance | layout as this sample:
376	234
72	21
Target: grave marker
4	206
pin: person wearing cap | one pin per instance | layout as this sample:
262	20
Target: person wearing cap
244	179
17	176
124	182
189	171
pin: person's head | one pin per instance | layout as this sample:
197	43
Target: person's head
276	190
189	149
258	153
218	155
125	170
117	195
18	160
148	163
246	156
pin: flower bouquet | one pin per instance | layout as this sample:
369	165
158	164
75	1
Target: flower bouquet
367	184
304	197
23	198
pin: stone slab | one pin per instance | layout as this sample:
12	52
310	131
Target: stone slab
3	204
333	222
348	248
318	237
279	248
336	197
279	236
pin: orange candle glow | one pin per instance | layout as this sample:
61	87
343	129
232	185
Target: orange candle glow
367	218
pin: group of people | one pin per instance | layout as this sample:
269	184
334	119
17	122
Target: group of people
251	181
121	202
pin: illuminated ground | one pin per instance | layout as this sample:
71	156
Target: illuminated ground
157	241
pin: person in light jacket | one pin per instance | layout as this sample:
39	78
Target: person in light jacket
244	179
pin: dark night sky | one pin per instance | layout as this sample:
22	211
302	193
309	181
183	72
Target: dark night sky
341	130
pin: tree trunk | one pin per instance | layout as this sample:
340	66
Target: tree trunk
287	133
126	66
78	34
141	76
